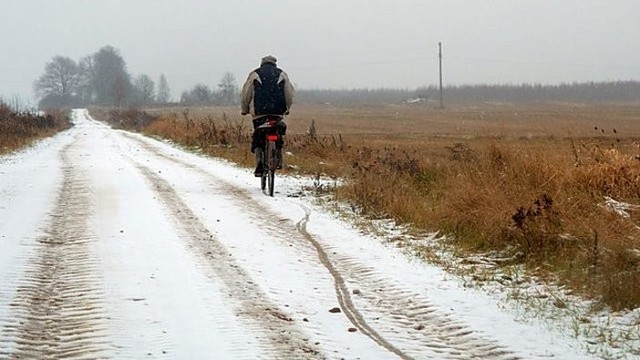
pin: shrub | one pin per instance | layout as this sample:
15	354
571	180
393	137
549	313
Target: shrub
18	129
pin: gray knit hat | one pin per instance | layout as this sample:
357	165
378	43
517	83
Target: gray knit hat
268	59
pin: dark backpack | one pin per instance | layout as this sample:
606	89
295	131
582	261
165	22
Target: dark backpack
268	97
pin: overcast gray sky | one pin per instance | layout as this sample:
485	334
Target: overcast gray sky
329	43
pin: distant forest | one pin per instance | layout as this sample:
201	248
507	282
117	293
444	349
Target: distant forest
102	78
615	91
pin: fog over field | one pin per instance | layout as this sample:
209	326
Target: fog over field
329	44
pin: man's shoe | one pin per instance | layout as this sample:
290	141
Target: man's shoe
259	168
279	154
258	172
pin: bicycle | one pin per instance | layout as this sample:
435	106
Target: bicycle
271	155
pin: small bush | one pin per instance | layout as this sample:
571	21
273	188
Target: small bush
131	119
536	228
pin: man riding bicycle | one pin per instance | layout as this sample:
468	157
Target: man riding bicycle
267	92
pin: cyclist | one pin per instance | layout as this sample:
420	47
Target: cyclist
267	92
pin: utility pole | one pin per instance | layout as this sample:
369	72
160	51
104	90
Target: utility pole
440	58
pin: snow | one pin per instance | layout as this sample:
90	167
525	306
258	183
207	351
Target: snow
192	260
619	207
25	193
149	296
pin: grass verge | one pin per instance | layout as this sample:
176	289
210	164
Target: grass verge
19	129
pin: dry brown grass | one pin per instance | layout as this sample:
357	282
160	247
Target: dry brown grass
20	129
529	181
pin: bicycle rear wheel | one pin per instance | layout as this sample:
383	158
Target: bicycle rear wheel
271	164
263	178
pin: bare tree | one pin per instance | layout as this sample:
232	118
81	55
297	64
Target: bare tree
59	82
145	90
164	94
120	90
86	69
227	90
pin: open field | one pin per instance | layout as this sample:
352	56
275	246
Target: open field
465	122
494	120
553	187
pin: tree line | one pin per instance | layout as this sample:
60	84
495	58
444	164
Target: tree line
102	78
587	92
202	94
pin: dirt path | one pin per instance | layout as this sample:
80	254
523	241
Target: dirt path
58	311
120	246
424	330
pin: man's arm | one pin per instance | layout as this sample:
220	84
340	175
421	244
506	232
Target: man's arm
246	96
289	92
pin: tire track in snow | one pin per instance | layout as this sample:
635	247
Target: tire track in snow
58	310
280	337
392	307
401	321
343	295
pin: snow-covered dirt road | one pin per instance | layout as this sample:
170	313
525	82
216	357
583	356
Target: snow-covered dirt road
114	245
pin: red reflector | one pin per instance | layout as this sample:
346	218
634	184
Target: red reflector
272	137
